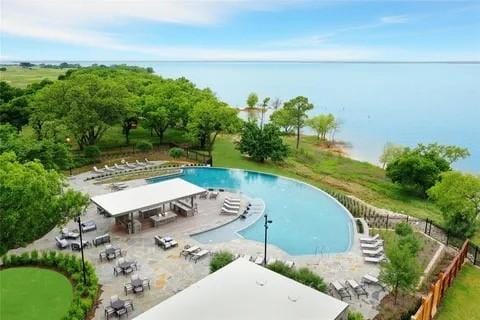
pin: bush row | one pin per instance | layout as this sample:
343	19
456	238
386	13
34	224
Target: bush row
84	295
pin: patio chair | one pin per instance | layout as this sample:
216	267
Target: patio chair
213	195
259	260
129	304
120	260
109	311
374	259
190	251
373	253
199	255
372	245
138	289
109	169
102	255
120	168
118	252
370	239
117	270
128	288
128	270
369	279
357	288
228	211
232	201
121	312
114	298
203	195
96	170
146	283
61	243
89	225
340	290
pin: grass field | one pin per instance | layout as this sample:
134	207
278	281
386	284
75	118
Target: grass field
462	300
33	293
21	77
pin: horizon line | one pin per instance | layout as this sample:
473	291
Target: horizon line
253	61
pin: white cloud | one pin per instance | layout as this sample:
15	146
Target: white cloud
394	19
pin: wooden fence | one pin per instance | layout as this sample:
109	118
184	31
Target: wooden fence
432	300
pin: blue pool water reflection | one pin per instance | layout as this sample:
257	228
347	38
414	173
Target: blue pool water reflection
305	220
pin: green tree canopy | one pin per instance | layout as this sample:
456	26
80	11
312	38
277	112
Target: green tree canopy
252	100
458	196
32	201
284	119
322	124
16	112
208	119
261	144
298	106
401	272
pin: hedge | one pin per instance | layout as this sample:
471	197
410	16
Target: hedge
84	296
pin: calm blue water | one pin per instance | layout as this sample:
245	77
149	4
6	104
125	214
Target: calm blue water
305	220
378	103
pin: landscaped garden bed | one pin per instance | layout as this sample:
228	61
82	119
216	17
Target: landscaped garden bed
56	275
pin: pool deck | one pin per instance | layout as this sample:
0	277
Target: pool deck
170	273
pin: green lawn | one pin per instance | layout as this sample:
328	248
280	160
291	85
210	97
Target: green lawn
21	77
462	300
33	293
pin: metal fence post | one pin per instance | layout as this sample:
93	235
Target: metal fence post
387	221
475	256
426	223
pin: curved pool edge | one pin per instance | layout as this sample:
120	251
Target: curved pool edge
349	214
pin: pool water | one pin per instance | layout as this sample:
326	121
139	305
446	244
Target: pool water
305	219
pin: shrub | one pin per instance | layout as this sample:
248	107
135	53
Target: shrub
403	229
220	259
176	153
302	275
353	315
84	296
92	153
144	146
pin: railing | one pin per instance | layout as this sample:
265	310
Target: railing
432	300
384	219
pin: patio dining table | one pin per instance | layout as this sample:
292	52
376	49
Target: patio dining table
118	304
125	265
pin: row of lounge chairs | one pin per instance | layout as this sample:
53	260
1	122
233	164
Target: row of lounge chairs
194	253
231	206
372	249
342	290
125	166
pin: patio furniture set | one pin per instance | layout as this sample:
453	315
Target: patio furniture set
70	239
136	284
110	253
118	307
165	242
124	267
194	253
342	290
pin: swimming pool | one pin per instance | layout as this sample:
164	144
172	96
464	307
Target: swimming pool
305	219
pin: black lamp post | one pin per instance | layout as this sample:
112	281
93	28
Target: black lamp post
267	222
81	248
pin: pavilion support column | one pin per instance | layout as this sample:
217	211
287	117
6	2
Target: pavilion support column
131	223
191	201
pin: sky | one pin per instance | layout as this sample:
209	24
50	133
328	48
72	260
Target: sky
142	30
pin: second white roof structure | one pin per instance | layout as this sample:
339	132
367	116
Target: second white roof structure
244	290
146	197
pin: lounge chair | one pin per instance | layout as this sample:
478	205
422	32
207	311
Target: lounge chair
231	206
88	226
190	250
232	202
61	243
140	164
66	234
213	195
96	170
232	199
370	239
120	168
148	163
197	256
373	253
369	279
128	165
374	259
258	260
357	288
228	211
109	169
340	290
373	245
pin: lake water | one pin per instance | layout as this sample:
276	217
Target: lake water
377	102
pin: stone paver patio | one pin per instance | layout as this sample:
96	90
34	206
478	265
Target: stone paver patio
170	273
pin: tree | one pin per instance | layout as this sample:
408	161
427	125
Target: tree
284	119
299	107
458	196
448	153
16	112
261	144
8	92
390	153
401	271
321	124
32	201
87	104
208	119
276	103
252	100
416	172
157	116
263	109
